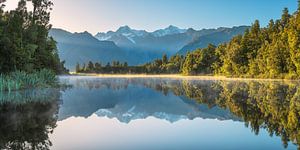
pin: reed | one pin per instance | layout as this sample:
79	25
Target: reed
21	80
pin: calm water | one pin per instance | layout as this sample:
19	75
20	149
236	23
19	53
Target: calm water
150	114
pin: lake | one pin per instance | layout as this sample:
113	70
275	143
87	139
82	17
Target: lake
152	114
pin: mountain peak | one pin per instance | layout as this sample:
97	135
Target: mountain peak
85	33
191	30
172	27
124	29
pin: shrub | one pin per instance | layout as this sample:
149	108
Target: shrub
22	80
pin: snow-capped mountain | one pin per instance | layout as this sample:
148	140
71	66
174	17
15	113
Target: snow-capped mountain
169	40
122	32
136	46
125	36
168	31
132	33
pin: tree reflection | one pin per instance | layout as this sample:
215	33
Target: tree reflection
274	106
27	118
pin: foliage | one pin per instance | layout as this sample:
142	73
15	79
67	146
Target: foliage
22	80
270	52
159	66
24	41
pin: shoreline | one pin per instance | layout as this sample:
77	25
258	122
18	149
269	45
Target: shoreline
179	76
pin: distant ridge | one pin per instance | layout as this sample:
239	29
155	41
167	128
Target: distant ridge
135	46
169	40
83	47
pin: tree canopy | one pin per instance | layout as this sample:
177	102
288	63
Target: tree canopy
24	41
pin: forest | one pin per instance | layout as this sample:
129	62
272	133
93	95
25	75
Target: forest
28	56
268	52
24	41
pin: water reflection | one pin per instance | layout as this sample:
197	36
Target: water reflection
180	113
133	99
27	118
272	106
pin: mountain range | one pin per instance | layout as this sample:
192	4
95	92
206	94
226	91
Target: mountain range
136	46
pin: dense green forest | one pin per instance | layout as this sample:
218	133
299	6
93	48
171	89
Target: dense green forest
28	56
24	42
269	52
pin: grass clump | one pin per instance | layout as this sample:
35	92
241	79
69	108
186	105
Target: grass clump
21	80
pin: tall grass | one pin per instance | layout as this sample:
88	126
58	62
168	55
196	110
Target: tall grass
22	80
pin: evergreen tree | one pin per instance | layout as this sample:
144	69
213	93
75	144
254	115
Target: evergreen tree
90	66
78	69
98	67
165	59
108	64
294	42
125	64
187	67
298	6
84	68
285	17
24	41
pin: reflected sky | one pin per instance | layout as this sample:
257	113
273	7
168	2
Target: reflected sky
103	133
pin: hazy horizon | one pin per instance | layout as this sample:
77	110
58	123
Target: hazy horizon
102	15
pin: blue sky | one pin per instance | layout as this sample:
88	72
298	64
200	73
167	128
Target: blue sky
104	15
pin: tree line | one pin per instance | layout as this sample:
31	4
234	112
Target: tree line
114	67
24	41
159	66
269	52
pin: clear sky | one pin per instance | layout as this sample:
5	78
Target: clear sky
104	15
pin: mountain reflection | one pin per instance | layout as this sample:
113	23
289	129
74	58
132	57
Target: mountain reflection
129	100
27	118
274	106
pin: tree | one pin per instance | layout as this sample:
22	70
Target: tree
83	68
208	57
78	69
165	59
219	55
108	65
298	6
294	42
125	64
24	41
255	29
98	67
45	55
285	17
187	67
90	66
2	5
